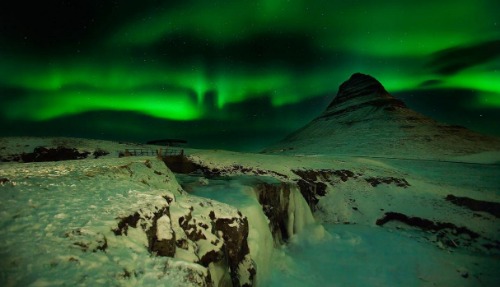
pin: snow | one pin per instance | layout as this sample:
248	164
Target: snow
355	255
220	273
56	220
244	273
340	255
355	201
489	157
188	255
164	228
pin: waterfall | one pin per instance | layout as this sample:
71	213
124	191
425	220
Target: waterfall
299	213
260	239
286	210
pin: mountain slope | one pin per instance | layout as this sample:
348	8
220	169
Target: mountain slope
364	119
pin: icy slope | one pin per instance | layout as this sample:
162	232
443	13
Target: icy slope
362	190
447	210
365	120
114	222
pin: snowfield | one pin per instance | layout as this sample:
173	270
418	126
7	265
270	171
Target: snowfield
344	220
61	224
57	221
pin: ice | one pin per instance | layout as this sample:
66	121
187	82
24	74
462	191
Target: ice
239	192
354	255
299	213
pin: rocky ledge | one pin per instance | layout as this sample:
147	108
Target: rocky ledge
200	231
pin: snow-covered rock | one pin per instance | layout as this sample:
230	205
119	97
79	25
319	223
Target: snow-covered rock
119	221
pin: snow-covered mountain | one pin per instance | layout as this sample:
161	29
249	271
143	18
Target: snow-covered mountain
365	120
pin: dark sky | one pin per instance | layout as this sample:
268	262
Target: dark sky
237	75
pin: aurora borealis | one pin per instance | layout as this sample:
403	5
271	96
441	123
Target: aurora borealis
237	74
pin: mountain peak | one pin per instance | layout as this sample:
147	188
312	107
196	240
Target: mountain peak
359	84
364	119
360	92
362	88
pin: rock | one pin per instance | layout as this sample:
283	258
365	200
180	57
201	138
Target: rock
88	240
125	222
367	90
492	208
161	236
375	181
197	230
235	234
99	152
42	154
274	199
312	184
447	234
425	224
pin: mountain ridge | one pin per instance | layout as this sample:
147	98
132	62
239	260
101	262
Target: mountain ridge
364	119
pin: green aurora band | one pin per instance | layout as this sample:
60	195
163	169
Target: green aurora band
125	69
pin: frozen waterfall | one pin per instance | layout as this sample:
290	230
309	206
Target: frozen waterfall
240	192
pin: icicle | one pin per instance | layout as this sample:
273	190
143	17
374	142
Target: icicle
260	239
299	213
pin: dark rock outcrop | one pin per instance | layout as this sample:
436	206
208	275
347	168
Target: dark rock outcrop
226	235
59	153
99	152
160	245
375	181
312	184
87	241
181	164
366	89
238	169
492	208
41	154
424	224
235	234
445	233
126	222
274	199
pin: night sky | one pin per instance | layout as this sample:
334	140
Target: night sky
237	75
